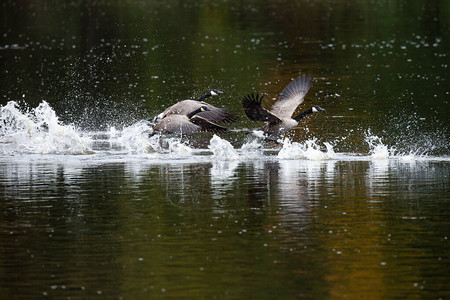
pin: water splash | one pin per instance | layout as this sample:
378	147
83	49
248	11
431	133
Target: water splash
252	149
413	134
378	150
135	138
38	131
138	139
308	150
179	148
222	149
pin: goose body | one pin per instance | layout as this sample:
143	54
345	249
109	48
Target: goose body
212	114
187	124
278	119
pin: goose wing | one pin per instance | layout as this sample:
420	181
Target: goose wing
176	124
182	108
217	115
214	114
206	125
292	96
254	110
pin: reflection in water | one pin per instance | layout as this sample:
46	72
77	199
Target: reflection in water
80	229
223	177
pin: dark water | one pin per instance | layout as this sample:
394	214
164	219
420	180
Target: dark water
261	229
93	208
377	65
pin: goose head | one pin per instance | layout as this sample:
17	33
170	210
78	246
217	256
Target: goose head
212	92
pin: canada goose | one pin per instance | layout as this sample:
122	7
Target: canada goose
186	124
279	119
213	114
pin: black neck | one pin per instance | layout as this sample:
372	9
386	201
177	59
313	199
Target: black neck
303	114
204	97
191	114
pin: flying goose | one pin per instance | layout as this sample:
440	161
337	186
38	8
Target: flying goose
186	124
213	114
278	119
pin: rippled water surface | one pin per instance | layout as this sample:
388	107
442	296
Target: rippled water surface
354	203
259	228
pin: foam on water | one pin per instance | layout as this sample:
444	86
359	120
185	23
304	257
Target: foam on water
307	150
38	131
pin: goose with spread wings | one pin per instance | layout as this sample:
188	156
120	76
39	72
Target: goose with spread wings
278	119
187	124
213	114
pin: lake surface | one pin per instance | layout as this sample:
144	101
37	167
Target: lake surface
354	203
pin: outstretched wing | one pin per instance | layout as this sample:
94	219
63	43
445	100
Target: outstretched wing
217	115
254	110
292	96
214	114
206	125
183	107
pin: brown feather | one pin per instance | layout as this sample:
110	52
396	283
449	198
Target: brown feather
206	125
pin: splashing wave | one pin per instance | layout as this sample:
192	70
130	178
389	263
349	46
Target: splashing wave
39	131
308	150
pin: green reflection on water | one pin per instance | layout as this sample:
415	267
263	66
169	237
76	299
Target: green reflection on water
260	229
